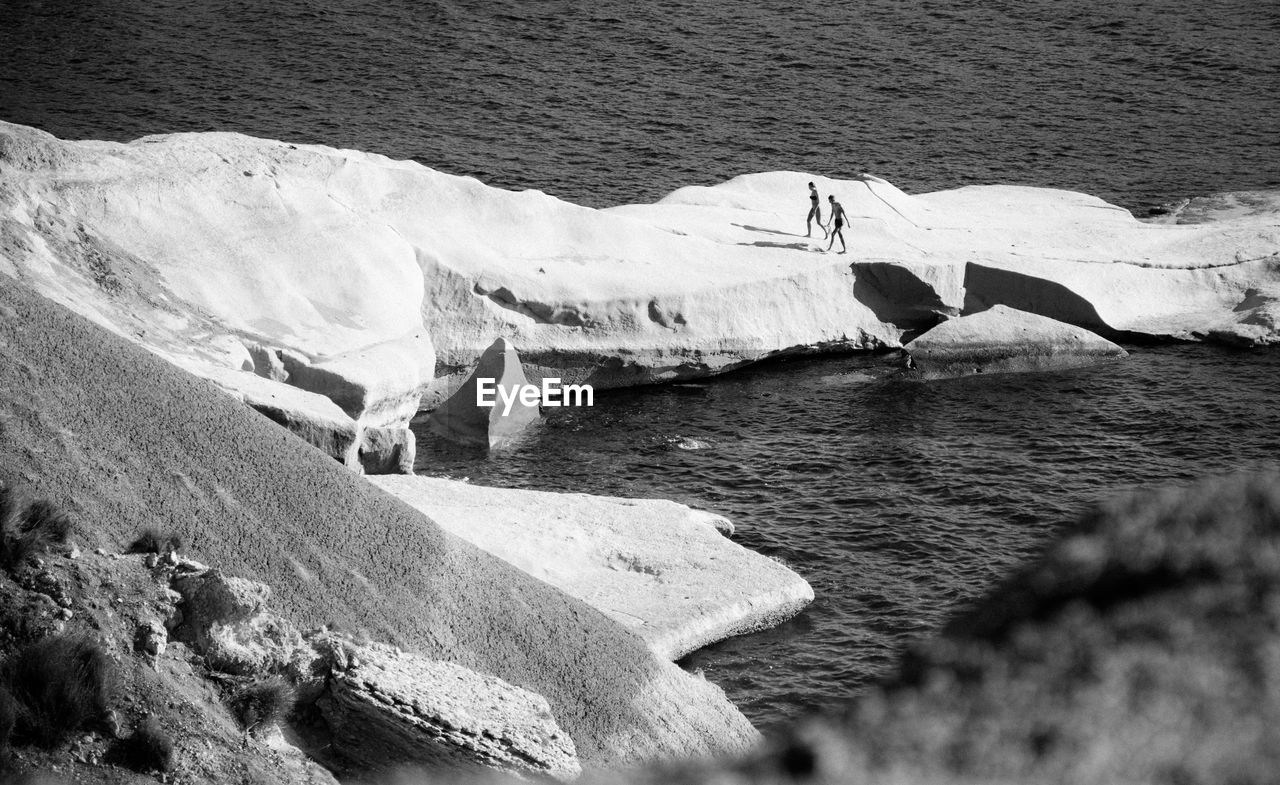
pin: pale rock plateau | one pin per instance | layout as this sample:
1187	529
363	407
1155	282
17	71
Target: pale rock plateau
660	569
378	283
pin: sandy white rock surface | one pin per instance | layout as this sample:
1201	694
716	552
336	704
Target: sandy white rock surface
1003	339
367	278
392	707
660	569
1061	254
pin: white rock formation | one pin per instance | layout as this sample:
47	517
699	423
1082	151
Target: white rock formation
338	271
1060	254
213	245
316	419
660	569
1002	340
197	252
389	708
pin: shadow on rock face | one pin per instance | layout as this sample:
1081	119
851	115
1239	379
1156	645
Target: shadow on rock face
987	286
1143	647
897	296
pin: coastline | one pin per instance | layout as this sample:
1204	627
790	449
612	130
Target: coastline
144	274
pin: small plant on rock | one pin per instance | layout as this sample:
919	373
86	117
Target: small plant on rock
28	528
152	540
59	686
148	749
263	703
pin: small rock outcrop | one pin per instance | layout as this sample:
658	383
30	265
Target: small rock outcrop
320	422
104	696
660	569
460	419
1004	340
1257	323
382	707
387	708
389	450
211	598
225	618
378	385
310	416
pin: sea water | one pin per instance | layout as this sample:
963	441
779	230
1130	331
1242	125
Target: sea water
616	101
899	502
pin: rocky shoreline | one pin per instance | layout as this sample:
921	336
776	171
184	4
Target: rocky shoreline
342	292
159	293
171	451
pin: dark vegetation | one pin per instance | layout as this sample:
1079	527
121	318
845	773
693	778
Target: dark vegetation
263	703
148	749
151	540
28	528
51	685
58	686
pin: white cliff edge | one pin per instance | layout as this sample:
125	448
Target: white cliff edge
660	569
372	281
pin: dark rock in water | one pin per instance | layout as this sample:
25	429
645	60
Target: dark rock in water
1143	647
459	419
1003	340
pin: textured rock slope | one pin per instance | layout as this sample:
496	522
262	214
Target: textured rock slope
1142	648
120	439
660	569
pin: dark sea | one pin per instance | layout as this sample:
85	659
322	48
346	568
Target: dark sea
899	503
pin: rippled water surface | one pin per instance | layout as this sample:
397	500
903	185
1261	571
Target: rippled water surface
898	501
616	101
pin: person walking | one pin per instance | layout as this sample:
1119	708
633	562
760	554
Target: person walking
837	218
815	212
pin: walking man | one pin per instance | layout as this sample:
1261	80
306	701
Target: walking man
814	213
837	216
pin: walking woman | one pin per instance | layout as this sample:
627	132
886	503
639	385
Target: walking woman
814	213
